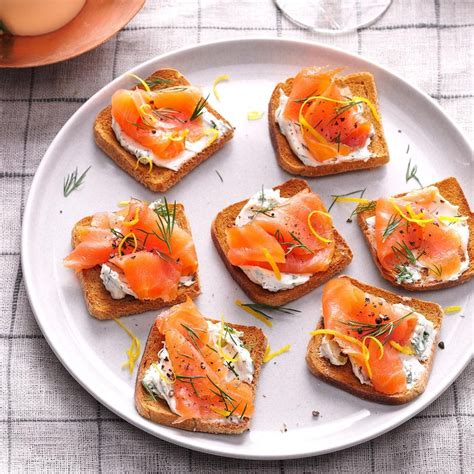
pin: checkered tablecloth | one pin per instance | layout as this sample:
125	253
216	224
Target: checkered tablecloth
48	422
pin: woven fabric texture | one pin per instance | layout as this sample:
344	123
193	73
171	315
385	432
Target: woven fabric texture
47	421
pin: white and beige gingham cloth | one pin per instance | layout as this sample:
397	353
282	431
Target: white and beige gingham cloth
48	422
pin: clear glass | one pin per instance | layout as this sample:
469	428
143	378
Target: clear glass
333	16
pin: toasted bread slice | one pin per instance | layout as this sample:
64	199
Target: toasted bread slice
160	179
158	410
361	84
100	303
452	191
342	376
226	218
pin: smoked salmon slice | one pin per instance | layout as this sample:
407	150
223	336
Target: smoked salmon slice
203	386
411	232
357	314
331	123
160	121
284	232
147	247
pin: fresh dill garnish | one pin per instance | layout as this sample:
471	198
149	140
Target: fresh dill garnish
222	394
297	244
263	209
260	308
403	273
193	336
408	149
362	207
147	389
411	173
243	411
141	126
167	114
391	226
199	109
220	176
337	196
190	379
185	355
375	330
404	253
436	270
157	81
165	222
213	124
4	29
72	181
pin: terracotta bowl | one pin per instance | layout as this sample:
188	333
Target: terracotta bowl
98	21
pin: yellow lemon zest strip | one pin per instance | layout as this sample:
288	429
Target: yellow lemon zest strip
369	104
134	220
141	81
145	160
223	77
269	356
452	219
254	115
254	313
419	221
123	203
122	242
134	351
353	340
304	123
452	309
272	263
313	231
219	345
214	134
403	349
224	413
146	113
352	199
379	344
180	137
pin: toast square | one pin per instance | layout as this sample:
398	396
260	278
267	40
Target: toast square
160	179
226	218
342	376
361	84
452	191
100	303
158	410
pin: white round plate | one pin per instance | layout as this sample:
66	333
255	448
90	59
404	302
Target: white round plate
93	351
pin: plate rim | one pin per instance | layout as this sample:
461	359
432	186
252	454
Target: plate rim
145	424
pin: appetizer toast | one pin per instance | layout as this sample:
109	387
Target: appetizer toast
388	373
361	85
226	219
154	177
99	300
444	252
151	406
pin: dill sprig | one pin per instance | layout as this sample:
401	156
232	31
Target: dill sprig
193	336
437	270
362	207
190	379
225	397
375	330
72	181
404	253
157	81
166	221
392	224
167	114
265	210
411	173
199	109
337	196
403	273
297	244
260	308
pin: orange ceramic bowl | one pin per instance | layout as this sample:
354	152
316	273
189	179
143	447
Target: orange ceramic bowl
98	21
